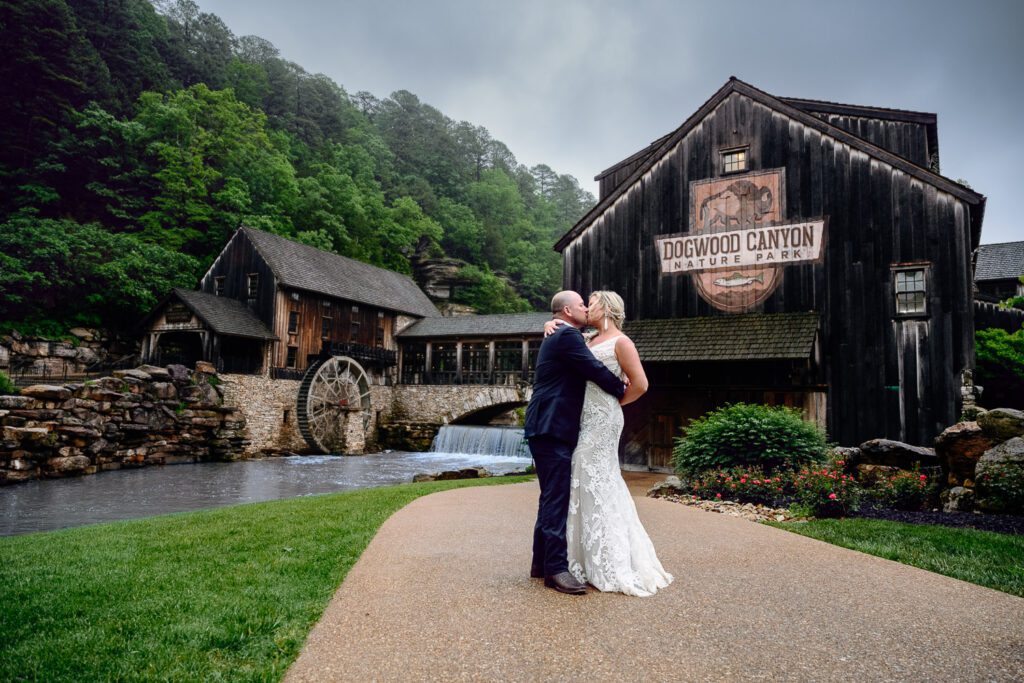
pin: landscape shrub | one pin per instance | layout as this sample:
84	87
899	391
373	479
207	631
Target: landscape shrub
749	435
825	492
740	485
903	491
6	385
1000	489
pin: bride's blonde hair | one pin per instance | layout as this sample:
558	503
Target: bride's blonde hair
613	305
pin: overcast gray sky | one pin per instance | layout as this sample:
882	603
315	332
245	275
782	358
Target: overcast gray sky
580	85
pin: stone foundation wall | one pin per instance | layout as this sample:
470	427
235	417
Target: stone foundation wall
268	406
136	418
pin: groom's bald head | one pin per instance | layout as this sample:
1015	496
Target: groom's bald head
564	298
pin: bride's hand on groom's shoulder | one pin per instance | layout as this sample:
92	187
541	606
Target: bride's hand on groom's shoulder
552	325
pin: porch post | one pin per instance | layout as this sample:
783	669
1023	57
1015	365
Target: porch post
427	375
490	362
458	362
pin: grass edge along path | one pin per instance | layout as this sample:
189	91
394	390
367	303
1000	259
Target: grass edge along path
984	558
223	594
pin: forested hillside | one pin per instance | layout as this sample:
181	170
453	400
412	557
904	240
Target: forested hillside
135	139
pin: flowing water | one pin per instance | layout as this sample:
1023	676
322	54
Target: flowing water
128	494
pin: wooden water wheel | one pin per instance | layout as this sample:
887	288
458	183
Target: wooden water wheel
332	391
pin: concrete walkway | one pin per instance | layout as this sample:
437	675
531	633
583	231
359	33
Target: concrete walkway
442	593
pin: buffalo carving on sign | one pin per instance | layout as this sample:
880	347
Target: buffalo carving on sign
741	203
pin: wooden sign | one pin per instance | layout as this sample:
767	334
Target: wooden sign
739	241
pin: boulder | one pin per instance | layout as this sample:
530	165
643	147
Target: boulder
423	477
957	499
672	484
999	478
895	454
179	373
83	334
68	465
869	474
1001	424
15	402
959	448
165	391
134	373
47	392
205	367
158	374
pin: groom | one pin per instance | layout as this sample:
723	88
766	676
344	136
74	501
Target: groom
564	365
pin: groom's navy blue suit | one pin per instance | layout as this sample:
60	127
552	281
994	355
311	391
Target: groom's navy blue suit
564	365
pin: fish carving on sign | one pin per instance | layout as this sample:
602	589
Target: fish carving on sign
725	205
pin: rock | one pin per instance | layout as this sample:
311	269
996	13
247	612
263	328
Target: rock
134	373
205	367
896	454
86	356
26	434
179	373
75	463
671	484
423	477
83	334
999	478
1001	424
869	474
165	391
47	392
158	374
957	499
959	448
15	402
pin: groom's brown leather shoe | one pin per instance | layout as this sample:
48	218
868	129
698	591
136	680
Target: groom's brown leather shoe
565	583
536	571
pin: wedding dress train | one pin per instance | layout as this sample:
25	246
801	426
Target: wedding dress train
608	546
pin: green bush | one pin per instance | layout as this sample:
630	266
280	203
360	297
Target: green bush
903	491
1000	489
825	492
6	385
749	435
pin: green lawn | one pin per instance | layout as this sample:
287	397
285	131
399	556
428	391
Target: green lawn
981	557
226	594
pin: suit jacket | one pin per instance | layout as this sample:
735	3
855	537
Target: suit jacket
564	365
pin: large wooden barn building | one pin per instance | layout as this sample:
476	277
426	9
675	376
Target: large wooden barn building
788	251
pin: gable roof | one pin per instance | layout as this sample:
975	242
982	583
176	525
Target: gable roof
734	85
304	267
224	316
518	324
752	336
1003	261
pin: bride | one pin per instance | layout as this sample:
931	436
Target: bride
608	546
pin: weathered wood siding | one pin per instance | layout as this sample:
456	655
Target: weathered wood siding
905	138
273	305
878	216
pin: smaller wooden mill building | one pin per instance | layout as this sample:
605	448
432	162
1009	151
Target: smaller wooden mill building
788	251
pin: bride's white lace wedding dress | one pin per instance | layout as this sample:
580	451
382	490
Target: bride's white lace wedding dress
608	546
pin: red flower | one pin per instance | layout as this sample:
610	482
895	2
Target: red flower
831	496
718	495
923	477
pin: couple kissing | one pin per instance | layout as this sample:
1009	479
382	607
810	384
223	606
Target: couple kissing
587	529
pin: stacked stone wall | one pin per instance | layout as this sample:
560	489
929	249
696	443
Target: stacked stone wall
40	357
268	406
135	418
440	404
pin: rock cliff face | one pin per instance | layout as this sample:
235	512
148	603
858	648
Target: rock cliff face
138	417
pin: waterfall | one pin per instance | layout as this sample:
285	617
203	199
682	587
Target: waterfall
503	441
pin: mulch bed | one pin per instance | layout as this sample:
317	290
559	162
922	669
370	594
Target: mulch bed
1004	524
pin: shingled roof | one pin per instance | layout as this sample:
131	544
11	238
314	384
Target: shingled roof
223	315
1004	261
755	336
304	267
658	149
512	324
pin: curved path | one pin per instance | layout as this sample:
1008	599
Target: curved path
442	593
